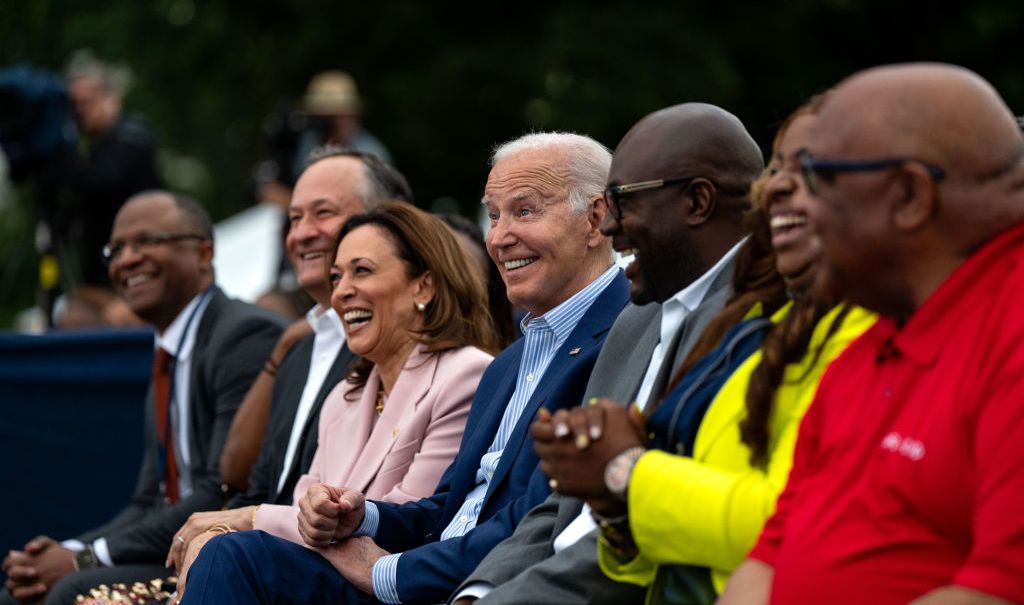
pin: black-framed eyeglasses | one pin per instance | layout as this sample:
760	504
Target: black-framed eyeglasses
146	241
815	170
613	195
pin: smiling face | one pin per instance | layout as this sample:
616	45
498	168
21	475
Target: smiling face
374	295
157	281
544	250
326	195
785	198
653	228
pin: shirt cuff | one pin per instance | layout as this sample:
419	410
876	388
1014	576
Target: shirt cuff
103	552
99	548
371	520
477	590
385	579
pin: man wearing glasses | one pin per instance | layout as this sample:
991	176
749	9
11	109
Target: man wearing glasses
907	483
677	191
209	350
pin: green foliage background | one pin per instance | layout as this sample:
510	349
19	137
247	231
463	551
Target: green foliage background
444	81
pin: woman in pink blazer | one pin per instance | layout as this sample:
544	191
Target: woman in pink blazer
414	308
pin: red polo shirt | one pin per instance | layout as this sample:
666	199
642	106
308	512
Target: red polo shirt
909	468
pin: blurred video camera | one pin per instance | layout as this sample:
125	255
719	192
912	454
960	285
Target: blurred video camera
35	119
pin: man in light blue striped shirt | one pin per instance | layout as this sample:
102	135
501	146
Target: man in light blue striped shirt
544	199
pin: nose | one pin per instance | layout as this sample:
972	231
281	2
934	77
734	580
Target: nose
341	292
779	186
501	234
127	256
302	229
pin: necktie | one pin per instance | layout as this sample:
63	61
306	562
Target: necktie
165	436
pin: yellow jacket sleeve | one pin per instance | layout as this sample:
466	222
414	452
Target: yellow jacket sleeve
709	509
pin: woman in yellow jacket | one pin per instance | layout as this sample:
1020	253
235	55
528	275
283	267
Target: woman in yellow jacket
681	517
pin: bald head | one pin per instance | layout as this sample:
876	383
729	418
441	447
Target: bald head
943	114
698	138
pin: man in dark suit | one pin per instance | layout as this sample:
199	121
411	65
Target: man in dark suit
683	224
544	200
209	349
336	185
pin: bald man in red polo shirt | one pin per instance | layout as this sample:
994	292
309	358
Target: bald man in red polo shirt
908	478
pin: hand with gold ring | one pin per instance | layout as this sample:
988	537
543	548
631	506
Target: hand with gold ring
575	445
237	518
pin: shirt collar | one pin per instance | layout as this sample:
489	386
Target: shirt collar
918	337
325	320
172	336
692	295
563	319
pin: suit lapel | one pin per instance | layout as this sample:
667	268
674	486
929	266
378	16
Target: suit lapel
412	385
300	460
482	425
691	329
586	336
637	363
204	332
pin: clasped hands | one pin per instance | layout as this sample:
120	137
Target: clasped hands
576	445
328	516
31	572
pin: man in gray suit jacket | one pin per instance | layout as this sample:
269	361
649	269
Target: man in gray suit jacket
160	260
678	187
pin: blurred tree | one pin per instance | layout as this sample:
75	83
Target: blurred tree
444	82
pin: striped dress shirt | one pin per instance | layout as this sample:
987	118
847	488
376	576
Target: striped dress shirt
544	335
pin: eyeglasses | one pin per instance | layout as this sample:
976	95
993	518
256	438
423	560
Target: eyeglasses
146	241
814	170
614	194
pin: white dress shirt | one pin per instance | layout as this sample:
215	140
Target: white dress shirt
328	338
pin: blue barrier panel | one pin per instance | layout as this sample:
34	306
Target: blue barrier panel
70	429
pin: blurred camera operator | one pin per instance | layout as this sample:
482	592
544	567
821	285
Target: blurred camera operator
116	159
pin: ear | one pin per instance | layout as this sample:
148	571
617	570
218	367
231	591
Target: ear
205	252
596	216
424	292
919	200
702	196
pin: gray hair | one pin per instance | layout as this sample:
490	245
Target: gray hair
588	162
113	79
381	181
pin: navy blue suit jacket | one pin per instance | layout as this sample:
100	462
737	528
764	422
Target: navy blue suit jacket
428	569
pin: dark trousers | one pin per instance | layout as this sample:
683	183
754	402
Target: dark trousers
255	567
80	582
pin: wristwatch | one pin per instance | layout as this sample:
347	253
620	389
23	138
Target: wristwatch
618	471
86	559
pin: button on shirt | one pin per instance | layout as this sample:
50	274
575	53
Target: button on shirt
328	338
544	335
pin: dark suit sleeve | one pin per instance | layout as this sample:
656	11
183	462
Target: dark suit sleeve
234	361
262	474
427	573
531	542
570	577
